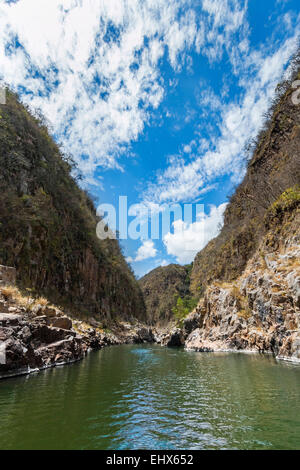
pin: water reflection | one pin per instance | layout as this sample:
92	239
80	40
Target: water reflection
133	397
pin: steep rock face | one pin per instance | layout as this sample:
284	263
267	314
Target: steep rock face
260	311
249	276
48	226
161	288
273	168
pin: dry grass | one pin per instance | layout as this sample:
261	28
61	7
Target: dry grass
262	260
222	285
245	313
235	292
244	310
9	292
41	301
12	294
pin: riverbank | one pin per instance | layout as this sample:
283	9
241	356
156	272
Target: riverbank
38	337
35	335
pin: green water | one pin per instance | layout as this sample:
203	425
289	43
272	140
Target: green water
137	397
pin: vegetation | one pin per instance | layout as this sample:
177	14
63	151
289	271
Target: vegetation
287	201
21	298
48	224
183	307
265	206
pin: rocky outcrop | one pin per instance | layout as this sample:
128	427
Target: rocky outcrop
62	322
136	333
169	336
33	345
174	339
37	336
273	168
258	312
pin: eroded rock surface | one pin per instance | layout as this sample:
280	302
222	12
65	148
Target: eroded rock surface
259	312
39	336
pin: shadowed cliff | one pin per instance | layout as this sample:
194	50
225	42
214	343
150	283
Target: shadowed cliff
48	225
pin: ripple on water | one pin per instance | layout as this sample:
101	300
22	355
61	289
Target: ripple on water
140	397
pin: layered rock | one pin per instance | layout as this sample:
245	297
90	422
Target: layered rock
31	344
259	312
37	336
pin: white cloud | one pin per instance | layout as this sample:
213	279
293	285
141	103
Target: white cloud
146	250
188	240
238	123
96	92
164	263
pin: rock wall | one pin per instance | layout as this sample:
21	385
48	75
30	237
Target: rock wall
260	311
48	226
273	168
161	288
36	337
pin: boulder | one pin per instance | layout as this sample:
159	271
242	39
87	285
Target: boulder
145	335
174	339
9	319
50	312
193	321
62	322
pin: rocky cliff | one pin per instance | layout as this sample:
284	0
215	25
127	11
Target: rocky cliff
273	168
248	278
36	335
48	226
260	310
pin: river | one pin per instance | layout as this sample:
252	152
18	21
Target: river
148	397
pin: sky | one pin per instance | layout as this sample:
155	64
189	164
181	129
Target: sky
155	99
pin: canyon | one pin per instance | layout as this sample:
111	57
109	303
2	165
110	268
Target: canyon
63	292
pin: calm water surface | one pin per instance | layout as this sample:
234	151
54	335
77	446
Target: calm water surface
137	397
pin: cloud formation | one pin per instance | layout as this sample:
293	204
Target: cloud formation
236	124
93	67
188	239
146	250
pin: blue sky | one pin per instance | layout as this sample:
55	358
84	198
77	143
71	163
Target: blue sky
155	99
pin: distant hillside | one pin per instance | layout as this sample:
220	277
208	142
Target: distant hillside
48	225
161	289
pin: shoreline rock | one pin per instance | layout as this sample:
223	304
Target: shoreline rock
257	312
41	338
